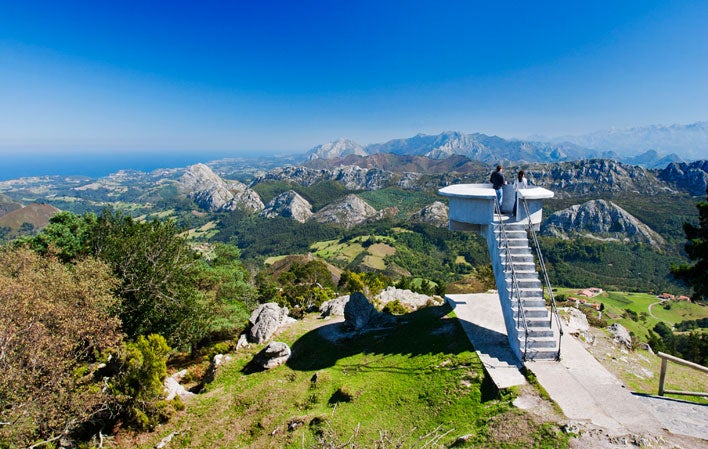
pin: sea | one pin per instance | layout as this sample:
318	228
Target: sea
94	165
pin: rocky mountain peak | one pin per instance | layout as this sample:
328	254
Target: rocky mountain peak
435	214
692	177
214	194
348	211
336	149
602	220
289	205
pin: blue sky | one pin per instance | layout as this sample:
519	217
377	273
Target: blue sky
285	76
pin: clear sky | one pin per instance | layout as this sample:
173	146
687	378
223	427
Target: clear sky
263	75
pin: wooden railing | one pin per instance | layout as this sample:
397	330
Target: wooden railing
664	359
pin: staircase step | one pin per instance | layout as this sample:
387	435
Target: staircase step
542	354
528	292
531	312
525	282
537	342
539	332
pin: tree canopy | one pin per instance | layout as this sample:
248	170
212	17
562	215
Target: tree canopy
697	250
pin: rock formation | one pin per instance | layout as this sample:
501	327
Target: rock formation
289	205
273	355
265	320
692	177
334	307
211	192
410	300
435	214
602	220
348	212
360	314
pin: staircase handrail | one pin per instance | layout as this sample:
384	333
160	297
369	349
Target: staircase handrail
515	289
544	271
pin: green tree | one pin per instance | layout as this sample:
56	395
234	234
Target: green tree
158	276
67	235
697	250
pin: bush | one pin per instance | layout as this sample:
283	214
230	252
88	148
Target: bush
55	331
395	308
138	386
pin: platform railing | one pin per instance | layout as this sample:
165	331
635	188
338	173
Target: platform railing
662	376
515	291
544	272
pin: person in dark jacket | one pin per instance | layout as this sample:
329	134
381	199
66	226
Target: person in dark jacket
497	180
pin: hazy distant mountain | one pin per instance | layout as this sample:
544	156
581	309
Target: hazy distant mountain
688	141
652	159
477	146
338	148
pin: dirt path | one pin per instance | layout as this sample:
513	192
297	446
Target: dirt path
652	305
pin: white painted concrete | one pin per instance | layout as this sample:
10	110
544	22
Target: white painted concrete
482	320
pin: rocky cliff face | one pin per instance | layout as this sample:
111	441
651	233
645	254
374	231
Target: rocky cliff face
594	176
602	220
289	205
214	194
351	177
435	214
691	177
348	212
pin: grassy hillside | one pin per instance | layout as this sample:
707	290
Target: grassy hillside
379	389
647	306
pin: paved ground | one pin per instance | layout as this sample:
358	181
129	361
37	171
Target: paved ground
579	384
481	318
680	417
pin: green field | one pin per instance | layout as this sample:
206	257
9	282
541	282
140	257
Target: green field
345	253
616	303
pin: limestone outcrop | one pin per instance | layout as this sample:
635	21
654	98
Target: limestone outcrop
289	205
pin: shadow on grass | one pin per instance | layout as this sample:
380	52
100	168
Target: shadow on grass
425	331
428	331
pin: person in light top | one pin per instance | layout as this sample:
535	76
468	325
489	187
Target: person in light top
519	183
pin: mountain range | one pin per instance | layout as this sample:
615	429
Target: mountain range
645	146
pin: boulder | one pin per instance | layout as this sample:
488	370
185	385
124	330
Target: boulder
576	321
275	354
621	335
411	300
265	320
334	307
359	313
172	386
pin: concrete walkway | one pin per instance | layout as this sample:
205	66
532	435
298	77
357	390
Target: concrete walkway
679	417
482	320
579	384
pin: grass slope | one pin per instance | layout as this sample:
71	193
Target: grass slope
394	385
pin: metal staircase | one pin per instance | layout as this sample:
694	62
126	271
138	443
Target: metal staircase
534	331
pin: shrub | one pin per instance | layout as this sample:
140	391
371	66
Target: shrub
395	308
138	386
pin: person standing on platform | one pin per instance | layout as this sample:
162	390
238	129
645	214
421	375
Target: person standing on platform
497	180
519	183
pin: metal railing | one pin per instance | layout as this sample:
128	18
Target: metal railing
515	290
662	376
546	285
